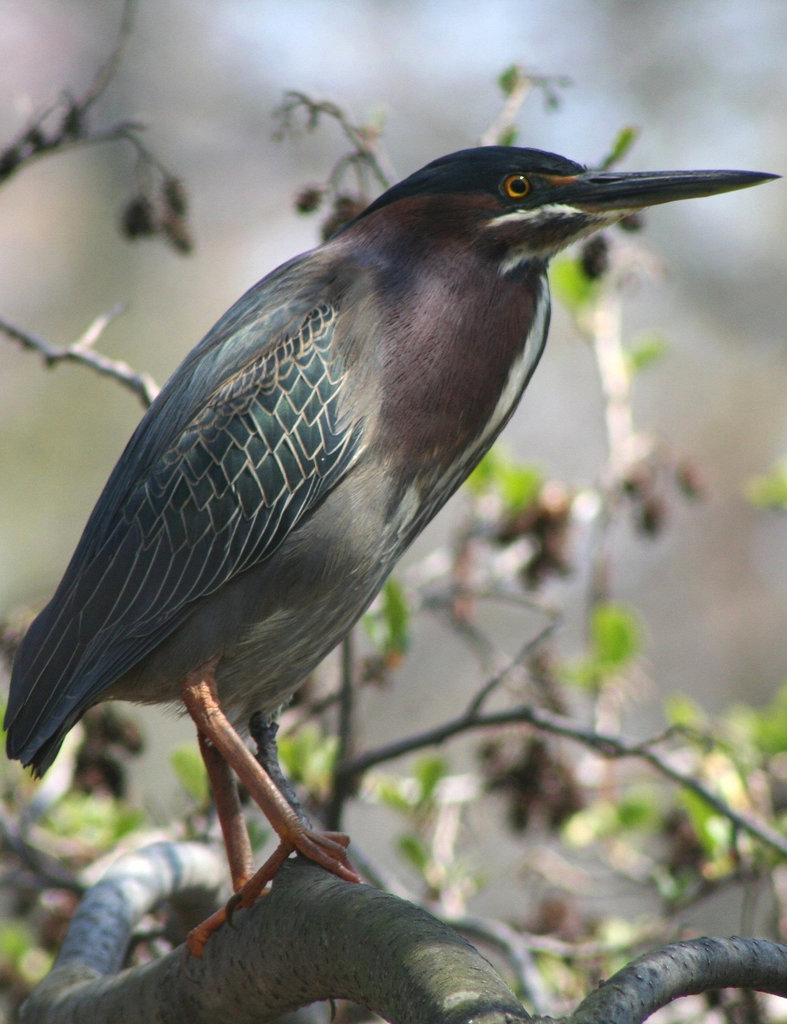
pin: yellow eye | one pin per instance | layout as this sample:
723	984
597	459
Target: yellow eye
516	186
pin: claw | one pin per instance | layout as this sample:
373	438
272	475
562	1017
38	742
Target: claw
328	850
198	937
221	748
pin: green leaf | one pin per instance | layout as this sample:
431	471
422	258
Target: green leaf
396	613
646	351
713	830
414	851
20	956
766	726
638	810
258	833
615	635
770	489
430	771
670	884
99	821
190	772
572	285
615	641
624	140
590	824
390	790
517	483
388	621
684	712
15	940
308	756
520	486
484	477
509	79
507	136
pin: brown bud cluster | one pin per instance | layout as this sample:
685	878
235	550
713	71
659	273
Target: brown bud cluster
647	485
537	784
634	222
545	523
309	199
162	213
594	257
101	762
344	209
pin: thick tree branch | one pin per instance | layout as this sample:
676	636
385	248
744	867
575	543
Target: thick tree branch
314	937
685	968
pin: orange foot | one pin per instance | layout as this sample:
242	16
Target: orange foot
325	848
223	748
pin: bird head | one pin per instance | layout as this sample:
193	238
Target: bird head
528	204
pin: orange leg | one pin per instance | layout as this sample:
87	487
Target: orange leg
327	849
228	809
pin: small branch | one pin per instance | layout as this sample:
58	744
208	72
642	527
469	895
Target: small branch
342	785
363	138
442	601
605	336
604	744
45	869
159	206
503	126
40	136
527	649
81	352
514	944
106	72
517	84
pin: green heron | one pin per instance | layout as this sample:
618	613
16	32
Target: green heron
299	449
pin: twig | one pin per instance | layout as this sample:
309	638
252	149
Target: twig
342	786
46	870
363	138
604	744
36	140
501	129
506	938
159	206
517	84
106	72
81	351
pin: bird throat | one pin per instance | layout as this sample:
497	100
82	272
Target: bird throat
434	483
521	370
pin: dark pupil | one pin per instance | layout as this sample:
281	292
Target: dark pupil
518	186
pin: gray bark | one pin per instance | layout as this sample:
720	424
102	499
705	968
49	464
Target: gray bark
316	937
682	969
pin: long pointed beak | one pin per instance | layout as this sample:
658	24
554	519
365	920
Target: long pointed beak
610	190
